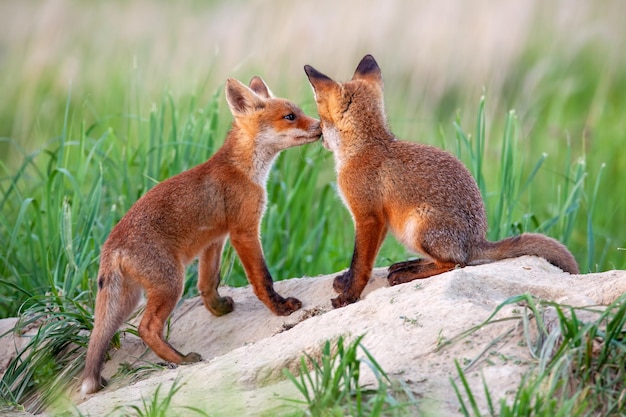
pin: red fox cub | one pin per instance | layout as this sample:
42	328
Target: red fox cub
425	195
190	215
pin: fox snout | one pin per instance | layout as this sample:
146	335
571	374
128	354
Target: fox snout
314	131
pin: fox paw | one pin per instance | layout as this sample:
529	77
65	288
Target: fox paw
220	306
402	276
396	278
415	263
287	306
343	300
342	282
191	357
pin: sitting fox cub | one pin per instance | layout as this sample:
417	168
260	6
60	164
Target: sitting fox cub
192	214
425	195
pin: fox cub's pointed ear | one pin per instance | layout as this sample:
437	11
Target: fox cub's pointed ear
260	88
368	70
316	78
241	99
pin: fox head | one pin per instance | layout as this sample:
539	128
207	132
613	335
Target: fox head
348	109
272	123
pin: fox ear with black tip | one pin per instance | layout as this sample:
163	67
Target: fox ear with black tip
318	80
369	70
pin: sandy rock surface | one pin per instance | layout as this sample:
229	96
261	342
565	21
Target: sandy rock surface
245	351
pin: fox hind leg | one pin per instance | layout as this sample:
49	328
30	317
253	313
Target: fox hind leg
407	264
445	248
160	304
419	271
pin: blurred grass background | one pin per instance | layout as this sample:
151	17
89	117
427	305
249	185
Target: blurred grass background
100	100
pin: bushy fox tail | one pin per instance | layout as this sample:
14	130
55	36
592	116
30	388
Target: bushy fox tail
526	244
116	300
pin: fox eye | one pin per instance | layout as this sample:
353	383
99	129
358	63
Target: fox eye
291	117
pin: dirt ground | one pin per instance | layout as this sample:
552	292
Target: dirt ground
245	351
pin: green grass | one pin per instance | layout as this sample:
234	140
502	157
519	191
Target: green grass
158	405
58	331
64	199
510	206
330	385
580	366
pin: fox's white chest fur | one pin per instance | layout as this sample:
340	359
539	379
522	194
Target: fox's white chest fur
331	140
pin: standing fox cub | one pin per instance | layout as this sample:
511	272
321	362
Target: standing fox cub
425	195
192	214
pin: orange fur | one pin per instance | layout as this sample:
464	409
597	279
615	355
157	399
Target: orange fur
191	215
424	195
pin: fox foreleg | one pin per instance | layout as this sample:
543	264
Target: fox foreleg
369	235
209	278
251	255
